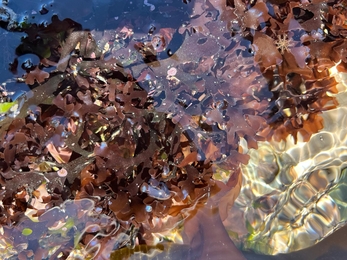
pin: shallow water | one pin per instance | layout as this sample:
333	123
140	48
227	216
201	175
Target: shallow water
295	192
292	193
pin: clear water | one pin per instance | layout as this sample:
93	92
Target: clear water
214	79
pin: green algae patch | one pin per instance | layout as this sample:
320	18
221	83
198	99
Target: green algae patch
27	232
6	106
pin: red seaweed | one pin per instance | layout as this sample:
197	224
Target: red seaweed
138	135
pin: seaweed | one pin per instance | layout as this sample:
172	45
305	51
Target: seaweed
141	136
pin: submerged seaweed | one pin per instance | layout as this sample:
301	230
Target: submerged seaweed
149	133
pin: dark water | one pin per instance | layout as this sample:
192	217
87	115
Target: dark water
105	15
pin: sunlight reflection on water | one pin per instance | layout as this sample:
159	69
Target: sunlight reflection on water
293	195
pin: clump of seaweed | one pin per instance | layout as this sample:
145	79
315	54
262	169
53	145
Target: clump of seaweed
100	138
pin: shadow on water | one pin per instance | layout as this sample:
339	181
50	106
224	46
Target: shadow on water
204	234
332	247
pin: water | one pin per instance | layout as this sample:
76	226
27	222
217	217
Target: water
159	116
298	189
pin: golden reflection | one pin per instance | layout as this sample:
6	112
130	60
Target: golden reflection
294	195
